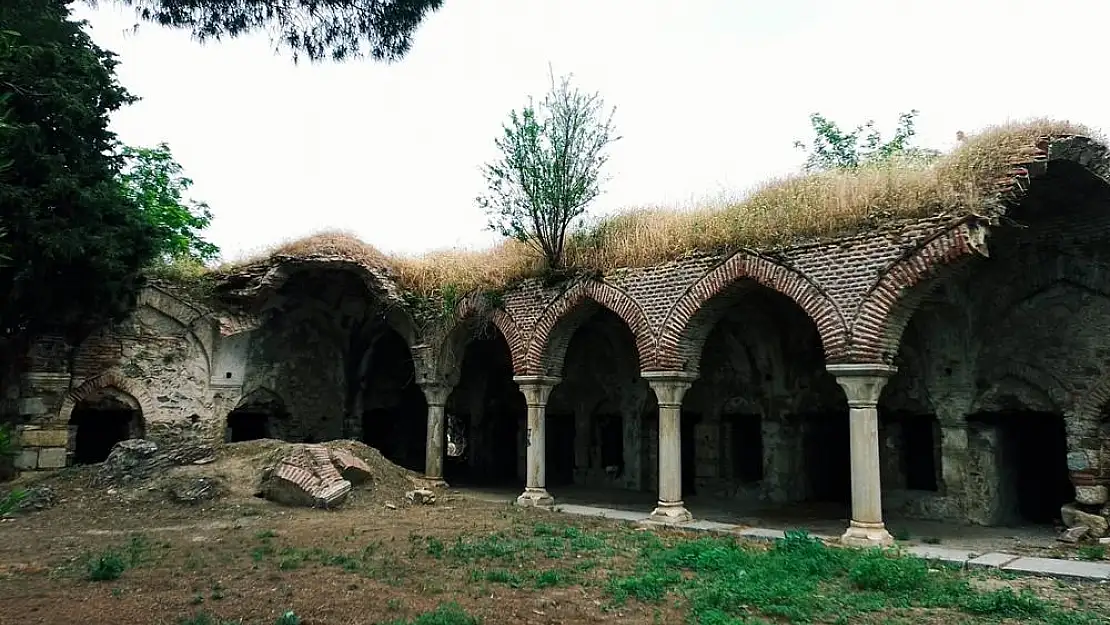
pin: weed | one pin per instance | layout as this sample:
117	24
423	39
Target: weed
106	567
288	618
445	614
203	618
1092	552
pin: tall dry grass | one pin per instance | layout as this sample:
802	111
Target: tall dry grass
779	213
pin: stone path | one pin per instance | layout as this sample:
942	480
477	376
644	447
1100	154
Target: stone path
1045	567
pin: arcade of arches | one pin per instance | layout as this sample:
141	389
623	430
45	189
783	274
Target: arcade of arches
975	389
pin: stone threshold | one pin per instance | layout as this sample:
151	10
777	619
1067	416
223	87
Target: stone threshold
1042	567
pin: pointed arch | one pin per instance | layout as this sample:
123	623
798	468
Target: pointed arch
696	312
114	379
555	327
877	327
472	311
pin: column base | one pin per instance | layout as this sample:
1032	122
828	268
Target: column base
671	512
860	534
535	498
435	482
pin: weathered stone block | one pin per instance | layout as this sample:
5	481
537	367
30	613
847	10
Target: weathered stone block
420	496
44	438
1097	525
351	468
27	460
1078	461
1091	495
32	407
52	458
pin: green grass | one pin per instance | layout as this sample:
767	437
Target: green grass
445	614
799	579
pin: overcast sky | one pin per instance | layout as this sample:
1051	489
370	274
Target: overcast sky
710	96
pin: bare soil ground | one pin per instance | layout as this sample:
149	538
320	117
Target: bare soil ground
376	560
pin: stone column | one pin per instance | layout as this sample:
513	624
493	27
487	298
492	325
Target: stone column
536	390
436	397
669	387
863	383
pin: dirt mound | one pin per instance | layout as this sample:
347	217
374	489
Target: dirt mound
242	468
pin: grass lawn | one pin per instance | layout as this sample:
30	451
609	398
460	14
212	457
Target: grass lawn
485	563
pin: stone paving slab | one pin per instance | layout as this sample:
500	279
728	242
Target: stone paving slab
759	533
993	560
606	513
1060	568
944	554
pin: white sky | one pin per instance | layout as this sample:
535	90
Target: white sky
710	96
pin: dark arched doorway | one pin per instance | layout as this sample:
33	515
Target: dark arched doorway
101	420
486	410
395	413
261	414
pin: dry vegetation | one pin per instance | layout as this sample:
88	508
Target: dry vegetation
779	213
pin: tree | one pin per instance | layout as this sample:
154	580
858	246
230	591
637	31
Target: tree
549	169
76	241
318	29
155	182
835	148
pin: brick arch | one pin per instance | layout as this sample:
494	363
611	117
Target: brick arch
552	333
472	310
877	328
693	316
1090	404
113	379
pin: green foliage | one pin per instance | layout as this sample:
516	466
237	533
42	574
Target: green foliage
155	182
445	614
204	618
836	148
10	503
76	242
800	579
317	29
549	169
106	567
288	618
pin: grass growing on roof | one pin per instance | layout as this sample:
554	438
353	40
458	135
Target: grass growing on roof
782	212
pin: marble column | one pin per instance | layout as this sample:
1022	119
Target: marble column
863	383
436	397
536	390
669	387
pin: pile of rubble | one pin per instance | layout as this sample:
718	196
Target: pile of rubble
312	475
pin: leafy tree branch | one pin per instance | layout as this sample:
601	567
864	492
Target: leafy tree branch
549	170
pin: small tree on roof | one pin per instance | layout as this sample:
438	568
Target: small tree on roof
549	169
836	148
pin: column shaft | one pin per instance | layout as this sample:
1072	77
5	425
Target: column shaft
670	387
863	383
536	391
433	461
436	397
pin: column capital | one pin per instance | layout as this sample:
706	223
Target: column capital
436	393
536	388
862	382
669	386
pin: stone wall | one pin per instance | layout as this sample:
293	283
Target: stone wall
994	322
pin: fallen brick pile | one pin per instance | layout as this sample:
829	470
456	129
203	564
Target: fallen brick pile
312	475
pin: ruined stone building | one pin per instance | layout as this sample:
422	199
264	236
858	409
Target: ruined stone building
952	368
